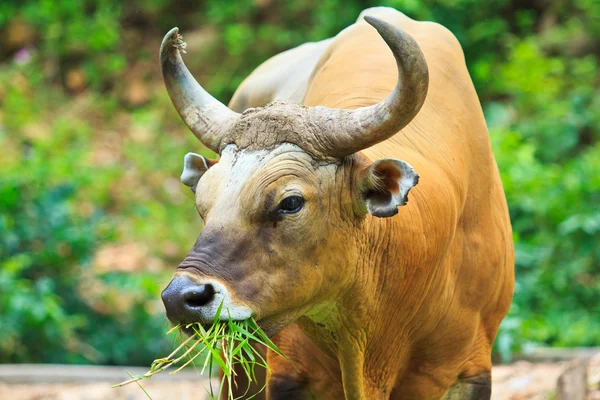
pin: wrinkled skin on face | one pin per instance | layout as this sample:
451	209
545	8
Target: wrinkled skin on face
278	265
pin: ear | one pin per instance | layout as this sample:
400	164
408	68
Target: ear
385	184
194	166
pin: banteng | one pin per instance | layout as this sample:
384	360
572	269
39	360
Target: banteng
356	212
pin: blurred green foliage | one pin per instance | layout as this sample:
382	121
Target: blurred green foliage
93	218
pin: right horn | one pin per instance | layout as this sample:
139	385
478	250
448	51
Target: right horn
348	131
207	117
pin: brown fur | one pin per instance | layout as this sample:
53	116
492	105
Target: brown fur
403	307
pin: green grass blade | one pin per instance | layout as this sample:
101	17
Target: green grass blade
226	343
140	385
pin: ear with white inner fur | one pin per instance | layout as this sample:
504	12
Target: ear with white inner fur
385	185
194	166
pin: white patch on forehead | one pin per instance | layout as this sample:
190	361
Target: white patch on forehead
235	156
221	188
239	165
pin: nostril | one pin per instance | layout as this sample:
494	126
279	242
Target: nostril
198	296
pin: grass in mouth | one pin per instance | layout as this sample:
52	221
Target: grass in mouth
226	343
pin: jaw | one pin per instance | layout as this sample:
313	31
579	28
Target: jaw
275	323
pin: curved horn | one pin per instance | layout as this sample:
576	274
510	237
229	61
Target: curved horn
349	131
208	118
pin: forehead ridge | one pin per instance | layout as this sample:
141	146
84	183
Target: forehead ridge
273	124
277	123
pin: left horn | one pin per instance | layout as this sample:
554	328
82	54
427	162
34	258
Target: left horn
207	118
348	131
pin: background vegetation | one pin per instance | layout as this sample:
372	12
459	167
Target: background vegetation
93	218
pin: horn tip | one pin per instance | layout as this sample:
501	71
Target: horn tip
400	41
387	31
375	22
171	35
171	44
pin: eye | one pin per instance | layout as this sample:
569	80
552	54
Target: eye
291	205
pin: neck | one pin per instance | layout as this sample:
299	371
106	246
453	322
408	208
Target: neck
352	328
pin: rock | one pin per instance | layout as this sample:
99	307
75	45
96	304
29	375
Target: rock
594	376
572	383
525	381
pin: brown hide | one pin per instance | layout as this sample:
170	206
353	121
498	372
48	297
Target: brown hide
437	279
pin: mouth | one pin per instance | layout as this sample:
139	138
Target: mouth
204	329
269	327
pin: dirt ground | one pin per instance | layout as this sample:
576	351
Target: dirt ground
158	390
519	381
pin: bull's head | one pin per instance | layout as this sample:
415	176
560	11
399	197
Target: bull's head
285	205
